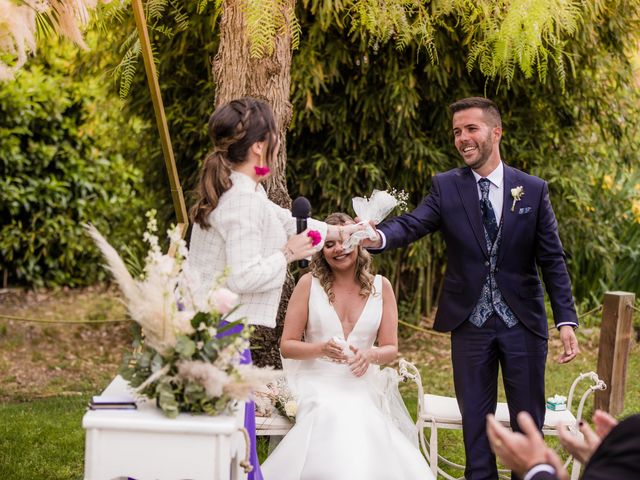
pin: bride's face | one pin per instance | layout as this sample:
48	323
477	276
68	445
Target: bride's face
336	257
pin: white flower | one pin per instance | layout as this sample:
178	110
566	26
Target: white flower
182	322
517	193
209	376
223	300
291	408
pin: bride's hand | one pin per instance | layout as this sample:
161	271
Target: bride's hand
333	351
359	362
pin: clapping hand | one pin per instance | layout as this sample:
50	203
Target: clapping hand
583	448
522	451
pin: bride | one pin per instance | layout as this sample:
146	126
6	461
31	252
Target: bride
347	425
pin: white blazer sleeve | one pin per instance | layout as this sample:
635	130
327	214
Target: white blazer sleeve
244	230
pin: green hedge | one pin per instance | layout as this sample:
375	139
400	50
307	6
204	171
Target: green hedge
62	141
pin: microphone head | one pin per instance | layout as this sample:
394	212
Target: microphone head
301	208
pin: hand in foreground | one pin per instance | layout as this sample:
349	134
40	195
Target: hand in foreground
366	243
583	448
298	247
519	451
569	344
333	351
359	362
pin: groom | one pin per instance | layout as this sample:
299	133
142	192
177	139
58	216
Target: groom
499	228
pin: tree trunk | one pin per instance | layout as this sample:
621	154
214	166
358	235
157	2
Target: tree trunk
236	75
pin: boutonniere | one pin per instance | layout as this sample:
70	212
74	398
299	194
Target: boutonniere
517	194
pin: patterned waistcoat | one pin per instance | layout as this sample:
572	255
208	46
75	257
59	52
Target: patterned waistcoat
491	298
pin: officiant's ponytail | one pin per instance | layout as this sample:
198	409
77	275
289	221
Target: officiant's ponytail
233	129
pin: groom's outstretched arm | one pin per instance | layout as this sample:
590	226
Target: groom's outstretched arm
409	227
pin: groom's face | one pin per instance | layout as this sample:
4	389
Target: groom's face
476	137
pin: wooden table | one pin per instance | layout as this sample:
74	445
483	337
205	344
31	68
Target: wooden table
146	445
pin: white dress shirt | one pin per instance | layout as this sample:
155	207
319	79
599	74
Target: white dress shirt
245	239
496	189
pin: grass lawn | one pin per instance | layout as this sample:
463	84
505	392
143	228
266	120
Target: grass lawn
49	372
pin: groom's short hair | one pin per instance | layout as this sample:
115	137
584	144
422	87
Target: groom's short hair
489	108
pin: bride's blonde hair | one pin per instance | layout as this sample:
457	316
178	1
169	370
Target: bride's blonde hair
322	271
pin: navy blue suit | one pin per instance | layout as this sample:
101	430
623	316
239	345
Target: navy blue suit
529	241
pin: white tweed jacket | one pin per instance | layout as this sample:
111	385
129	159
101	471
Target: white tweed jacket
246	236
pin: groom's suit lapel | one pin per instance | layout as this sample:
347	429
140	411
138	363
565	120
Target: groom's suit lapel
468	190
508	217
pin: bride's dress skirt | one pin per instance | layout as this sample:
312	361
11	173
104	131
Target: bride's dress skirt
341	433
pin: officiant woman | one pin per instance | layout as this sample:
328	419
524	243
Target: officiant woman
238	231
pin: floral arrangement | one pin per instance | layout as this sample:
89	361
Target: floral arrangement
186	356
277	396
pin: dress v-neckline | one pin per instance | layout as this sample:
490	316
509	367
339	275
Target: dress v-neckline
346	337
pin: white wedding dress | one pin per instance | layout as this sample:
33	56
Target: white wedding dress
347	428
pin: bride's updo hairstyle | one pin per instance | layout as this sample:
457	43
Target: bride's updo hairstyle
233	128
322	271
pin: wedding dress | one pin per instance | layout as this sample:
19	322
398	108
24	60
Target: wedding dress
347	427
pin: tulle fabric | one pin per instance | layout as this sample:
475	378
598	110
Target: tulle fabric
346	427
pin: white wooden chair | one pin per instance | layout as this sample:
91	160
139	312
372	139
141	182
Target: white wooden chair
440	412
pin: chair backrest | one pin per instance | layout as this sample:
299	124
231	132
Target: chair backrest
408	371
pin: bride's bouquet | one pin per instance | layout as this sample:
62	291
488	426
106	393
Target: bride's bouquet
186	356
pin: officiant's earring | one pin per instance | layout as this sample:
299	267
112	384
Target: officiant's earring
261	170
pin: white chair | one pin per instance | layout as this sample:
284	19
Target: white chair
440	412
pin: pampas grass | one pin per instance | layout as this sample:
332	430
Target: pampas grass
18	27
149	301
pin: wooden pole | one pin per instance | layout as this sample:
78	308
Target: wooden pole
613	352
161	119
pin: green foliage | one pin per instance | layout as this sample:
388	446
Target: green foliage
369	115
62	165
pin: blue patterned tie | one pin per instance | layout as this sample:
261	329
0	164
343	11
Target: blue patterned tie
488	215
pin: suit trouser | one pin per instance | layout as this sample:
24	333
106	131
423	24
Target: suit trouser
476	353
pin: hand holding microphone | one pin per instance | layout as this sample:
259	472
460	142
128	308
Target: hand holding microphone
300	246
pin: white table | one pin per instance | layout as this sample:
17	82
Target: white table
146	445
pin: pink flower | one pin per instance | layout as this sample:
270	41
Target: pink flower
224	300
262	171
315	237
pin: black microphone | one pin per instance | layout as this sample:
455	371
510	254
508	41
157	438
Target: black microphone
301	209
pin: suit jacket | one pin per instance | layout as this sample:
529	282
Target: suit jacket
244	241
617	457
529	240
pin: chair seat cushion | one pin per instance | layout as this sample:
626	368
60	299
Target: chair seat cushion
445	410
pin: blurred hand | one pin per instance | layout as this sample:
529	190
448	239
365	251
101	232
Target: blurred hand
583	448
569	344
518	451
359	362
603	422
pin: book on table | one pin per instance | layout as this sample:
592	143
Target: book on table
112	402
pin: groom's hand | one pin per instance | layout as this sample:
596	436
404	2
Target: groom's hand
366	243
569	344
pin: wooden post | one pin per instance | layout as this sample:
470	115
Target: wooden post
613	352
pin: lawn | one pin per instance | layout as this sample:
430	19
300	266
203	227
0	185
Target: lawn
48	372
